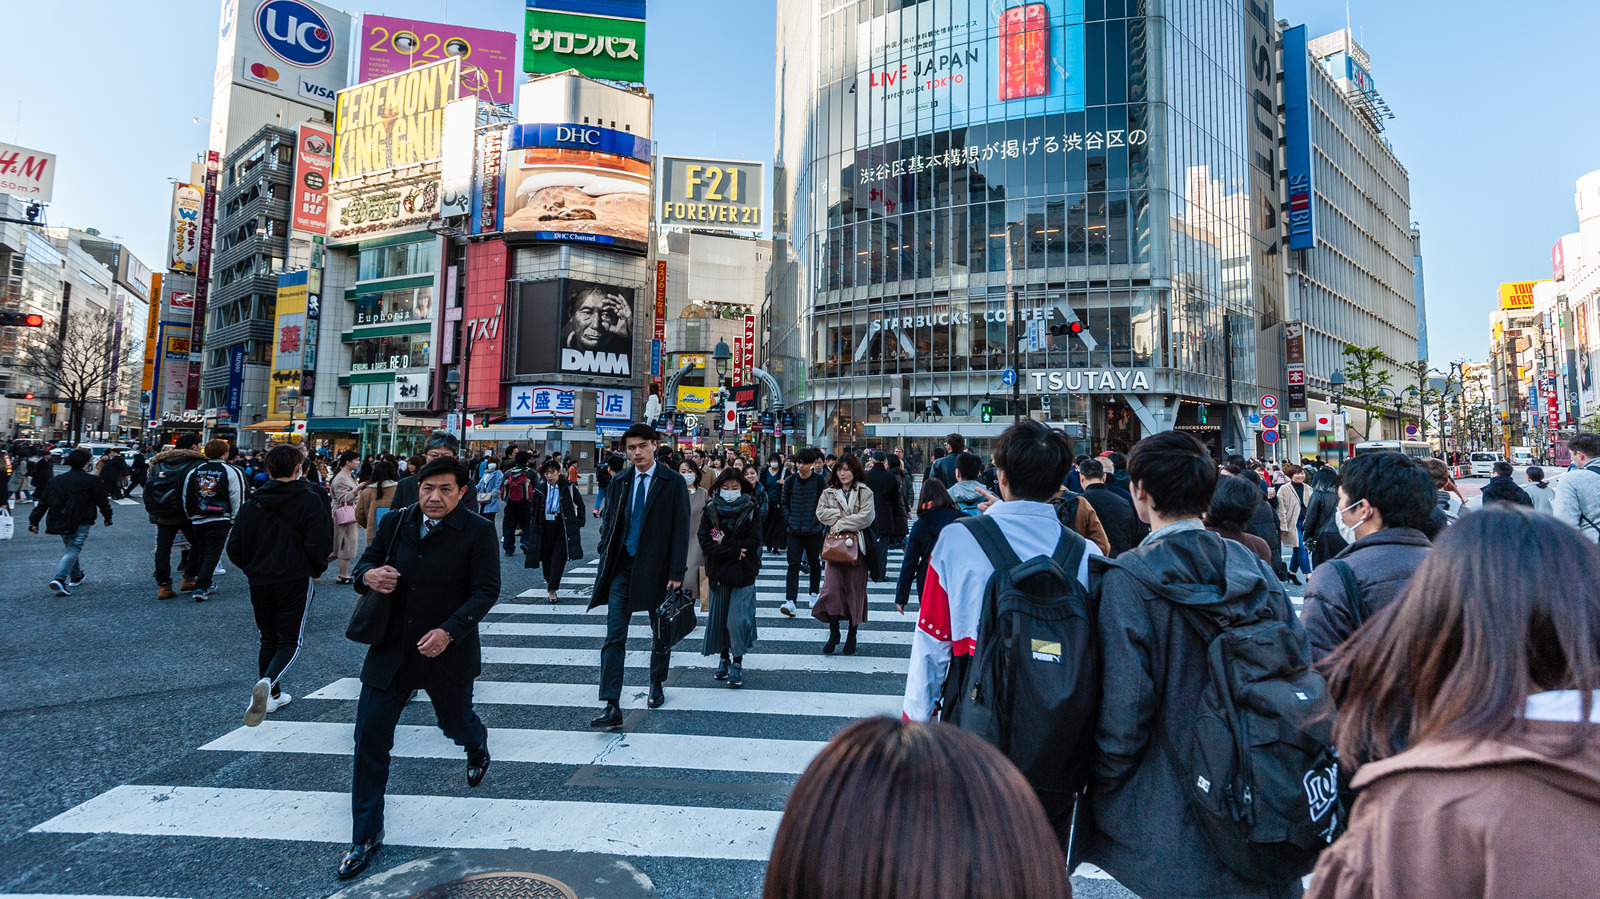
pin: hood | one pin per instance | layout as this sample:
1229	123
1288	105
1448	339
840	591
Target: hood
274	495
1196	568
1538	745
965	492
1388	537
382	485
178	455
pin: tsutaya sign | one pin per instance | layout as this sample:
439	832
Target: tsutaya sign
1090	380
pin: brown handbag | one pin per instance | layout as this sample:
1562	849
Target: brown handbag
842	549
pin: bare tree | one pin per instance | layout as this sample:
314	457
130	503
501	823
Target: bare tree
78	365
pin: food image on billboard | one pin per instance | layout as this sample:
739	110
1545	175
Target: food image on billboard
930	67
609	46
394	121
556	192
712	194
488	58
596	328
313	168
183	252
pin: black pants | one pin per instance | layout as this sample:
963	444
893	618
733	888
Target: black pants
377	714
165	533
614	651
209	541
552	552
516	520
811	546
281	617
877	550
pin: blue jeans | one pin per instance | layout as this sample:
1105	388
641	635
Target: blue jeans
1300	560
68	568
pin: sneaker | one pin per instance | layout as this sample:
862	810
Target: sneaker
260	697
202	595
77	580
60	588
736	675
812	600
275	703
220	570
722	669
787	608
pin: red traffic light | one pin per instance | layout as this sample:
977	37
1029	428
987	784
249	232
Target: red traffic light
1077	327
33	321
22	320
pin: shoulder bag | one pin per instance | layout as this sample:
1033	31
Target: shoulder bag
369	621
842	547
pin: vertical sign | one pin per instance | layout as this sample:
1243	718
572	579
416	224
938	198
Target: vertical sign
308	358
183	244
748	360
313	167
1297	139
235	381
658	341
738	361
147	380
202	278
1294	357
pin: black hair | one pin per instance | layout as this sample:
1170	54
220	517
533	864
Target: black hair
956	441
808	456
1119	460
79	458
1397	486
384	470
1175	470
549	464
893	462
858	474
969	466
1502	469
1035	459
523	457
190	441
346	457
775	457
1233	504
736	475
616	462
689	462
283	459
1091	469
640	431
934	496
1325	479
446	465
1587	443
1536	474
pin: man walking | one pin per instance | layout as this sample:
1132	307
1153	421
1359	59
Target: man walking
517	491
945	468
1502	489
1117	518
636	571
800	494
889	520
163	500
282	542
440	562
440	445
1577	493
212	493
71	500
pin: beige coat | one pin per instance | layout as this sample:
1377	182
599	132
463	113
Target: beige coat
1289	512
368	502
840	515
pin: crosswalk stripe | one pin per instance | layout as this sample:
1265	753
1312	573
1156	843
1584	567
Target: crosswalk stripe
744	701
749	755
640	631
590	658
443	822
570	608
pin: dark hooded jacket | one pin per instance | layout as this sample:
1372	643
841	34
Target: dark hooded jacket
1502	489
283	533
1322	533
1154	669
1382	562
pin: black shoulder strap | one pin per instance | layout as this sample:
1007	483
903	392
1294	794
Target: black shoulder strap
1069	552
1347	577
992	541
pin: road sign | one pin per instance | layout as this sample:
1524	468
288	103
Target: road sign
1270	422
1008	377
1254	418
1269	436
1411	430
1297	415
1269	401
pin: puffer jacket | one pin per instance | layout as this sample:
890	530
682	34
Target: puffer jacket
1382	562
800	497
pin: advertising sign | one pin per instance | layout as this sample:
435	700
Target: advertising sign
608	45
658	336
597	328
295	47
411	388
313	169
748	362
288	342
488	58
736	377
364	213
1297	139
1558	262
933	66
235	381
202	272
535	402
458	146
394	121
27	174
585	194
1517	295
183	247
170	388
694	399
152	343
712	194
488	185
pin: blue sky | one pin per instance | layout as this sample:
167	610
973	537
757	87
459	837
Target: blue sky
1491	120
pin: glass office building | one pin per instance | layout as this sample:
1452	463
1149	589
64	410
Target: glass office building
1061	188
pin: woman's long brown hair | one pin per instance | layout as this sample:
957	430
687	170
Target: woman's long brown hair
1506	605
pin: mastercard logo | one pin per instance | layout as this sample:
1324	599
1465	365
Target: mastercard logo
263	72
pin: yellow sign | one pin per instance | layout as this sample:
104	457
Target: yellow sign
694	399
289	337
394	121
1517	294
699	360
152	342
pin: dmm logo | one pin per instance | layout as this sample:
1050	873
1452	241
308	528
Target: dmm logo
295	32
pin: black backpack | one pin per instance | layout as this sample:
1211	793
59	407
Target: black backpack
1260	771
1066	506
163	495
1033	688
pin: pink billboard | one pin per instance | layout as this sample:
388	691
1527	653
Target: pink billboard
488	58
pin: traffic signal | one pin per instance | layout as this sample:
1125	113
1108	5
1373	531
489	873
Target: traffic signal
19	396
21	319
1205	412
987	412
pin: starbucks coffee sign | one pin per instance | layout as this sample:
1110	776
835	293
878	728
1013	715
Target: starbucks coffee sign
1089	380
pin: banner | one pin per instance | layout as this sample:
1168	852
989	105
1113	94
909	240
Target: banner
235	381
152	346
608	46
712	194
1297	139
394	121
694	399
202	276
488	58
659	335
313	168
367	212
1515	295
611	403
27	174
288	341
183	245
488	187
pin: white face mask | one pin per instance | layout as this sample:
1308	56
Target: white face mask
688	477
773	466
729	496
1346	531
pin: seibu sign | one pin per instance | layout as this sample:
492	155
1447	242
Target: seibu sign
1102	380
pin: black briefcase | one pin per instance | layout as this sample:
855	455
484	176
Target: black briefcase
675	618
369	621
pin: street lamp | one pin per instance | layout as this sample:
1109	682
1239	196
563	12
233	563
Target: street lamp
452	388
1336	386
721	354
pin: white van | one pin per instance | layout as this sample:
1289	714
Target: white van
1522	456
1483	464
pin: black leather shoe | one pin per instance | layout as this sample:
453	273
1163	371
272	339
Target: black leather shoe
610	716
477	764
657	696
360	855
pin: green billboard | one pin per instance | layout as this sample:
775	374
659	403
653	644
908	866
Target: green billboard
597	46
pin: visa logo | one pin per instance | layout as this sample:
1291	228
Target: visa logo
316	91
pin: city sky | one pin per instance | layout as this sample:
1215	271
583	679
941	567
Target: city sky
1489	116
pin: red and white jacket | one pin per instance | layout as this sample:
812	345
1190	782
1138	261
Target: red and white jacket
952	597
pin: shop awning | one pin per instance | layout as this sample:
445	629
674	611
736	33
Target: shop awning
271	424
334	426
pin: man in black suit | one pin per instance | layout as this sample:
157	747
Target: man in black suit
888	523
441	564
441	445
637	570
1117	517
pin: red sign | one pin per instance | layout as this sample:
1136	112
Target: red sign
1269	401
1297	377
182	300
1558	262
202	278
738	361
313	168
483	336
748	360
660	333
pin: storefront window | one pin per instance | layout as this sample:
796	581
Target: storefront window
385	307
398	260
381	353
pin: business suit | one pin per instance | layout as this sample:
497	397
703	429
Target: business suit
637	581
449	580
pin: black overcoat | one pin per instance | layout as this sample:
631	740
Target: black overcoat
449	581
571	509
663	543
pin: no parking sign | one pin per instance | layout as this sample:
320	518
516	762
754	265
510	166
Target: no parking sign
1269	436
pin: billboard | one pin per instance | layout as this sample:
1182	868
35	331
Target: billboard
693	399
297	48
183	246
488	58
600	38
313	169
488	183
171	378
1517	294
558	188
935	66
393	121
712	194
395	206
530	402
596	328
288	341
27	174
1297	139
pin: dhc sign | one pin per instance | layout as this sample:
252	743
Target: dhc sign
294	32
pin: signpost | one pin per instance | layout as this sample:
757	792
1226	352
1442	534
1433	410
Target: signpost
1269	401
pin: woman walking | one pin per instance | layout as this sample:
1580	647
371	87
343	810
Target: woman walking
1291	514
1321	531
774	533
934	512
553	534
489	489
845	509
694	570
1472	706
730	539
344	490
375	497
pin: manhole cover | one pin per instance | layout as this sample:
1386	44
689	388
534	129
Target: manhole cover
500	885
